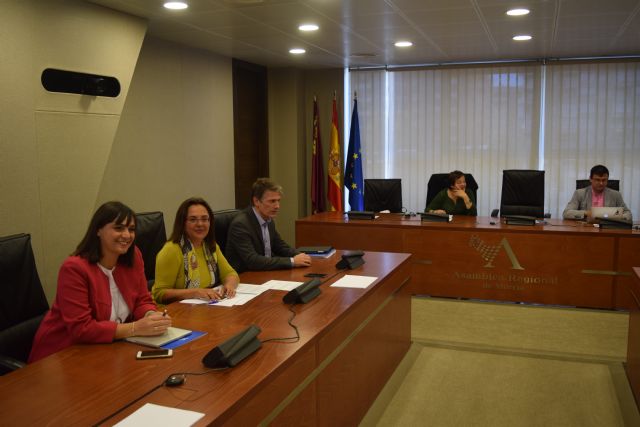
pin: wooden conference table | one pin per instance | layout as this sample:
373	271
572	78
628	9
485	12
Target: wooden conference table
351	341
562	262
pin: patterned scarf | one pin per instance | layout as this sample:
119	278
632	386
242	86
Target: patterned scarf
191	273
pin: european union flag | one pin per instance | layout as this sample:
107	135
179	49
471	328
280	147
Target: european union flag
353	179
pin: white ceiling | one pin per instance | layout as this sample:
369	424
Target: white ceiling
360	33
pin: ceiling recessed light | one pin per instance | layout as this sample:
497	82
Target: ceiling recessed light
176	5
308	27
517	12
403	43
522	37
297	51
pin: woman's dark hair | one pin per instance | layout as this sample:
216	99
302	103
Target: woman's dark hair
453	177
181	219
89	247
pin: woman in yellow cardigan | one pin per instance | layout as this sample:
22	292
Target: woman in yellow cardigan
191	264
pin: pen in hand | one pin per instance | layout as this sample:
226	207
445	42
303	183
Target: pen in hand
164	314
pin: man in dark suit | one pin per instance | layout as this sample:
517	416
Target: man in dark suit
253	242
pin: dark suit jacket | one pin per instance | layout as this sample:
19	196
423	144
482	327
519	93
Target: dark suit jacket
245	248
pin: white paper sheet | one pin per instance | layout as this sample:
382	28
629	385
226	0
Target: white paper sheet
151	415
353	281
282	285
244	288
244	294
194	301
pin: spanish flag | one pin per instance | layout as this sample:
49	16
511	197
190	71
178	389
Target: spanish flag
334	181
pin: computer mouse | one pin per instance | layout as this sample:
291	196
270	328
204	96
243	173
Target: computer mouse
174	380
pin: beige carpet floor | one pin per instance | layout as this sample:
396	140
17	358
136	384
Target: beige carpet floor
489	364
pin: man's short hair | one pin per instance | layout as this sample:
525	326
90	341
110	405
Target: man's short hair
599	170
261	186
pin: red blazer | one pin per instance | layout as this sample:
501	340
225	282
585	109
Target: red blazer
82	308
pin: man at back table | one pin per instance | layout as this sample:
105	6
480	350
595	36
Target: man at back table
253	242
595	195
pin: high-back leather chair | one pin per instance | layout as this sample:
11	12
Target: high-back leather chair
440	181
522	193
221	221
613	184
383	194
23	303
150	238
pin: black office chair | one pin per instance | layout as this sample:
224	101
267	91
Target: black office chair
440	181
383	194
522	193
150	238
23	303
221	221
613	184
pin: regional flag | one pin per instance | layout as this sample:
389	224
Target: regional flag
353	179
334	170
317	165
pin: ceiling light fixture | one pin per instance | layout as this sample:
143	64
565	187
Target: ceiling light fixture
308	27
297	51
404	43
522	37
176	5
517	12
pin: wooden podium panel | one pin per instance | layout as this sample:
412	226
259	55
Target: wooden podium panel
532	267
350	340
555	262
633	344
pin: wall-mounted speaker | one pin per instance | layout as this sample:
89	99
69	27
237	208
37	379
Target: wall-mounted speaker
81	83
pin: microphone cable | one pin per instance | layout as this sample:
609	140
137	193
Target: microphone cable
167	382
291	340
295	328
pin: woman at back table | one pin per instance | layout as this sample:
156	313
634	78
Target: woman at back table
102	292
191	264
454	200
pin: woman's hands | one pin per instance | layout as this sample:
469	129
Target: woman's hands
458	193
230	285
205	293
154	323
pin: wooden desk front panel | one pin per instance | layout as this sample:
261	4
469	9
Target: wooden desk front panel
364	365
633	344
533	267
563	262
628	253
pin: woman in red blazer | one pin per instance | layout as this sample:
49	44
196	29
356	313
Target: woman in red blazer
102	292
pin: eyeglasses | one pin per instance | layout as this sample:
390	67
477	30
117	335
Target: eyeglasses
195	220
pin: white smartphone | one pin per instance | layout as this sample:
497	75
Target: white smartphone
152	354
